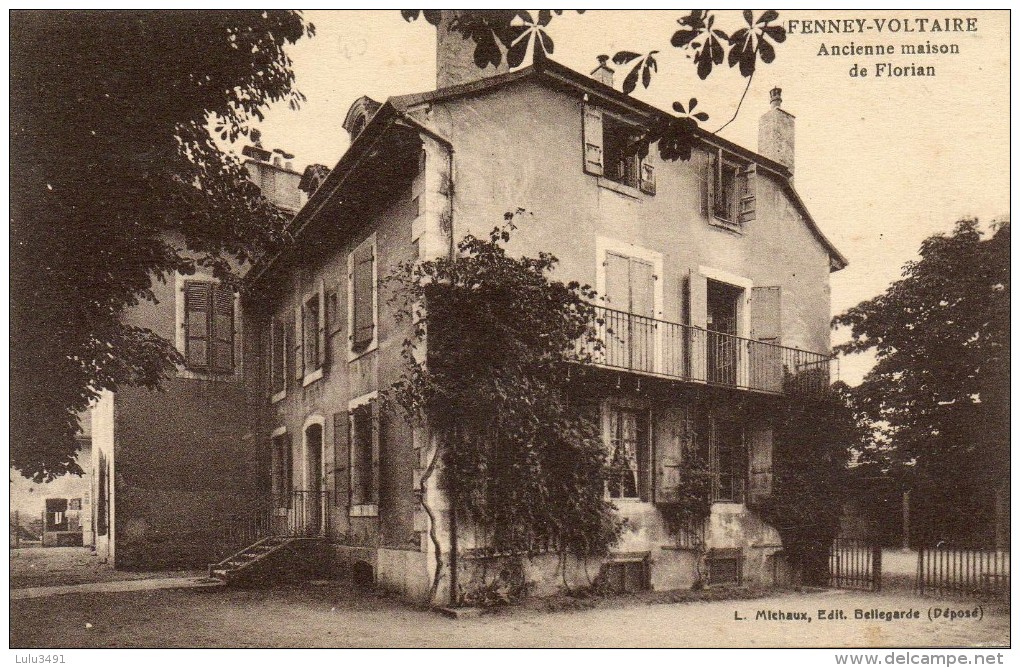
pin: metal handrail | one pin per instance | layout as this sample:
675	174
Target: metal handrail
657	347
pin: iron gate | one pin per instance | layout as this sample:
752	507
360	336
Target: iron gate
855	564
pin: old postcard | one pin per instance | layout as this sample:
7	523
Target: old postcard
511	328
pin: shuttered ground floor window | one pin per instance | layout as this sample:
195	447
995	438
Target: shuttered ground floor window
625	575
724	566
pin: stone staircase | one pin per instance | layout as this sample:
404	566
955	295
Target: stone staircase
268	551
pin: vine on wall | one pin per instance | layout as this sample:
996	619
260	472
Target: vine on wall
519	459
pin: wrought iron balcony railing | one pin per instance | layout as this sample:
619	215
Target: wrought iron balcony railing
671	350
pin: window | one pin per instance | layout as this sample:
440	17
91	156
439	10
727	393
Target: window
278	359
729	195
311	329
283	471
628	454
619	577
617	150
721	445
208	327
364	485
362	312
621	145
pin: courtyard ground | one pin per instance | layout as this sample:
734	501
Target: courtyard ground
332	615
53	566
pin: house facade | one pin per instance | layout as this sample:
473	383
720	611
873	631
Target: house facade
175	474
714	309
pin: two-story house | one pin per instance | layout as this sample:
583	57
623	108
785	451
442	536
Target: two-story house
714	284
175	474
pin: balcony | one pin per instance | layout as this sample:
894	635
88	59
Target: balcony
648	346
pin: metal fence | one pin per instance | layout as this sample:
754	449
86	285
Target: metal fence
945	571
855	564
669	349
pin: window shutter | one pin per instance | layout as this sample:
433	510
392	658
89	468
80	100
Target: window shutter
708	186
279	356
766	358
290	347
322	348
668	453
592	140
697	300
376	438
760	474
223	329
299	337
288	470
747	195
196	324
648	172
364	307
342	458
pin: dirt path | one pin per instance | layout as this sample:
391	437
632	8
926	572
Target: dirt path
53	566
310	616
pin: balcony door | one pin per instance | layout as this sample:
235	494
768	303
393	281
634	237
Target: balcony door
723	351
631	328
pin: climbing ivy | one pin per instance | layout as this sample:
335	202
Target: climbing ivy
519	458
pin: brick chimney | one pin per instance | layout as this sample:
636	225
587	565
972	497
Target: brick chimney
776	131
603	73
455	62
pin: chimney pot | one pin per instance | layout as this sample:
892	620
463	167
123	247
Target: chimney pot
776	97
603	73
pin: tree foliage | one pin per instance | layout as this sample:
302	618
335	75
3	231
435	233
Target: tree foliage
812	445
521	459
938	394
116	181
515	32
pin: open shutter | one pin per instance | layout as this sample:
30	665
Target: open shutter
760	460
279	355
322	348
592	141
288	471
766	358
342	458
648	172
290	348
747	194
196	324
222	329
697	300
376	438
668	452
363	298
299	337
708	176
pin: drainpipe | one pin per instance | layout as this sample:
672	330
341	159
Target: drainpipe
453	507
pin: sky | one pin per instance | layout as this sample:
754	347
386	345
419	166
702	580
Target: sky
881	163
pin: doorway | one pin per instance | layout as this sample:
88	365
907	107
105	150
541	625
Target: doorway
722	332
313	504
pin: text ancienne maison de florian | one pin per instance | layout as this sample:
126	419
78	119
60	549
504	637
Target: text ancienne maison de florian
918	30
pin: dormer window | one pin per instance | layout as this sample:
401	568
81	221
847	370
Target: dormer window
612	151
728	190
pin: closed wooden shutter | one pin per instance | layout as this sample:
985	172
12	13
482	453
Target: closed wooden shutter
748	194
299	337
760	473
376	440
197	300
364	299
592	140
222	329
291	348
279	355
342	458
697	300
766	358
648	172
